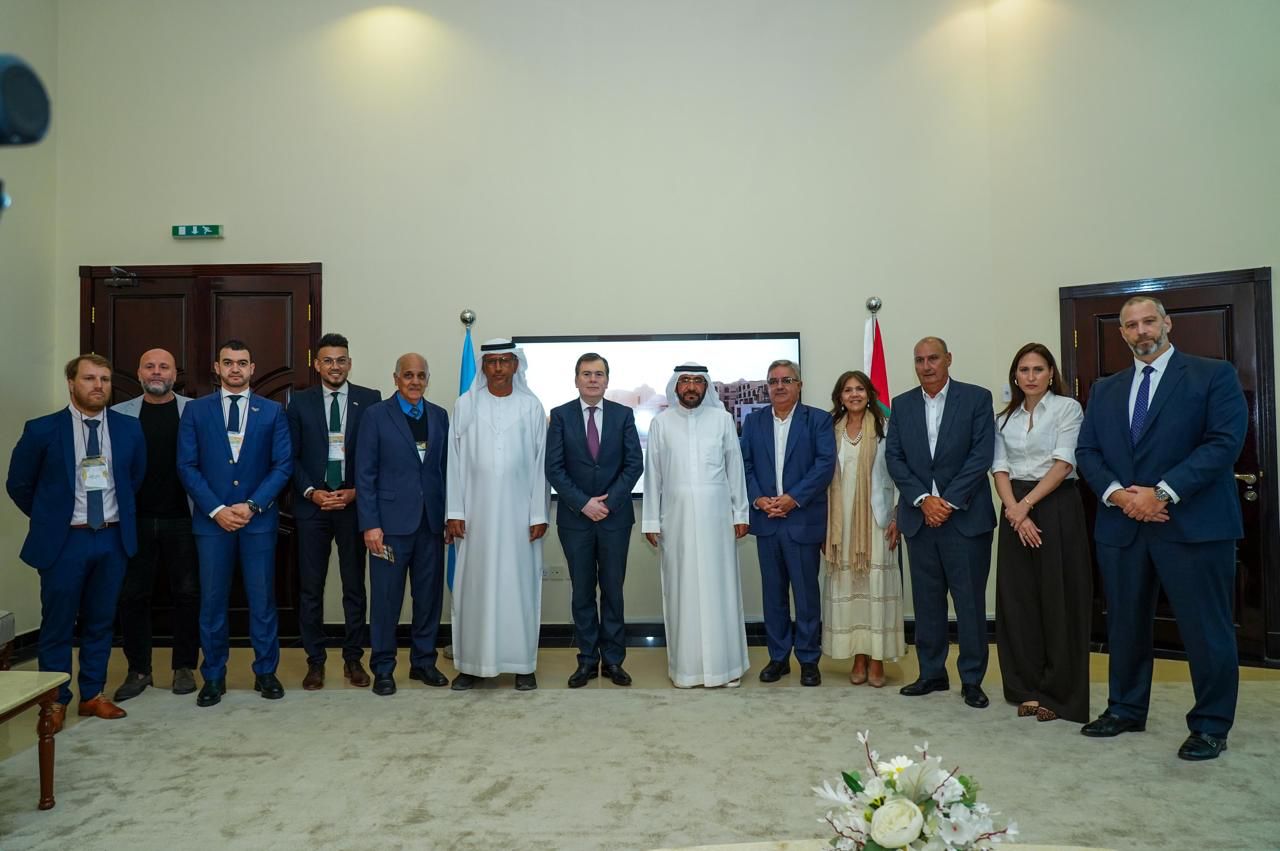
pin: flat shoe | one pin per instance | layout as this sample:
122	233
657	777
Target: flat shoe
857	678
1026	710
1044	713
875	682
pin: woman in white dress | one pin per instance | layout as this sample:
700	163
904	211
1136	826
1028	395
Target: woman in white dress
862	589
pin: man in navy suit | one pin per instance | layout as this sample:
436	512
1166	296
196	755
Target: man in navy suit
1158	445
593	462
324	423
234	459
789	455
74	473
400	489
939	448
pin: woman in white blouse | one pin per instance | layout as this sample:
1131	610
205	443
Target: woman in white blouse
1044	576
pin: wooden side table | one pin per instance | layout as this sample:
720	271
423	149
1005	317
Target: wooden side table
19	691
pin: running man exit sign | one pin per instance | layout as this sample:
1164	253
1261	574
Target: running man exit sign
197	231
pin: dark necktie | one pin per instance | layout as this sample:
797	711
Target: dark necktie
593	433
93	498
333	469
233	417
415	412
1140	405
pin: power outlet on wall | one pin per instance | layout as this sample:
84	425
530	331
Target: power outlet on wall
555	571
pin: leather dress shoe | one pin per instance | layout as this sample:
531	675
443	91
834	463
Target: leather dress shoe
585	673
1201	746
925	686
184	681
58	714
135	683
526	682
430	676
355	673
100	707
974	696
314	680
774	671
464	682
809	674
1106	725
616	675
211	692
269	686
384	684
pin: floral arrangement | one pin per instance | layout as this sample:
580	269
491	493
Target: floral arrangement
908	804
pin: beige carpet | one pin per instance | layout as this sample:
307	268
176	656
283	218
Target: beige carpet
611	769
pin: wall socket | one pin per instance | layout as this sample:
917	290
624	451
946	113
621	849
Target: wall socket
555	571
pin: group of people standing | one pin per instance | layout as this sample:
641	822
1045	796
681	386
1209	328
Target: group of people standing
166	481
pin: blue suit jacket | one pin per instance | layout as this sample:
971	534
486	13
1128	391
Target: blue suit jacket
1193	434
807	467
577	477
308	416
959	464
393	488
212	477
42	476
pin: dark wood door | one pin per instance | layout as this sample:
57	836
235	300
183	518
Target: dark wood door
189	310
1223	315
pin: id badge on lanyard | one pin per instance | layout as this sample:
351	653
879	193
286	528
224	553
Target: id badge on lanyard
94	473
422	450
337	446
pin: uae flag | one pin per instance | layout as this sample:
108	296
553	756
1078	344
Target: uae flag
873	358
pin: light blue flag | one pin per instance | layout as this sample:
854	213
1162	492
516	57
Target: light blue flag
466	375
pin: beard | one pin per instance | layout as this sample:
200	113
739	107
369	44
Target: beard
1149	347
157	388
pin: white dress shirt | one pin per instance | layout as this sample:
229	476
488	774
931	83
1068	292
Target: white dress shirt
326	399
110	508
934	408
781	428
1028	444
1160	365
243	412
586	416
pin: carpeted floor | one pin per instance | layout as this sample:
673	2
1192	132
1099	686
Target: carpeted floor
611	769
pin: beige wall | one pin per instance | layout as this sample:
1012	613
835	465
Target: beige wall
670	166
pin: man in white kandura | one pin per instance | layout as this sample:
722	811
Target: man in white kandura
695	505
497	509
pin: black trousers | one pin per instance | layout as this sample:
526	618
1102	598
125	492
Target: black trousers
316	535
165	545
597	559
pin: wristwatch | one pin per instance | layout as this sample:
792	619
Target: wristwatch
1163	495
254	507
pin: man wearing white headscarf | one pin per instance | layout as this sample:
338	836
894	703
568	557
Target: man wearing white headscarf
497	507
695	506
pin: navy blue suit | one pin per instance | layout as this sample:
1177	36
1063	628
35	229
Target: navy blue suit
213	477
790	547
80	569
1193	433
308	416
596	551
955	556
403	495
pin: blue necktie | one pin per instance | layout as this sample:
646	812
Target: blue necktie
415	412
1140	405
93	498
233	416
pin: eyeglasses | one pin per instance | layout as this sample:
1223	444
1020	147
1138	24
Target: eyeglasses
789	380
691	379
502	360
334	361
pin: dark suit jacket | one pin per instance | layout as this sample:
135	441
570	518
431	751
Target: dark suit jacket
42	476
1193	434
393	488
807	466
308	417
959	465
213	477
577	478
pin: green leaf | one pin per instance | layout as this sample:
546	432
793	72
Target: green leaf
971	788
872	845
928	807
852	780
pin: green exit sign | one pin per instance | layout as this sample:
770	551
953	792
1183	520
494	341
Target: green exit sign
197	231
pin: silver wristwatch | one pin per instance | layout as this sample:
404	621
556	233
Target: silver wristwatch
1163	495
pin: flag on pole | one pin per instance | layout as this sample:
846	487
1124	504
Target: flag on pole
466	375
873	362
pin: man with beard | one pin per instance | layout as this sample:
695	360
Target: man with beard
165	542
695	506
74	473
1158	445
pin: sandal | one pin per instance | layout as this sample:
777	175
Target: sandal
1044	713
1026	710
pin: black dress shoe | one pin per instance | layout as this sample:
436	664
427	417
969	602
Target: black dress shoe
775	671
526	682
925	686
584	674
1200	746
269	686
384	684
211	692
616	675
1105	726
974	696
463	682
809	674
134	684
429	676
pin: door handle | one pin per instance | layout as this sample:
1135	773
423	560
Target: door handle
1249	479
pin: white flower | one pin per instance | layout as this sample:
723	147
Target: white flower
959	829
896	823
873	788
923	749
918	781
840	795
949	792
894	767
863	736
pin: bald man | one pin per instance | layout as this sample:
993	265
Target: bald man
165	543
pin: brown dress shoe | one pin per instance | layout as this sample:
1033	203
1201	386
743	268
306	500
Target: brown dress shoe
356	673
58	712
314	680
101	707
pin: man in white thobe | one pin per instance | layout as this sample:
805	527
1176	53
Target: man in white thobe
695	506
497	507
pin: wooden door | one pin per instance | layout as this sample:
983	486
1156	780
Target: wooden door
1223	315
189	310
